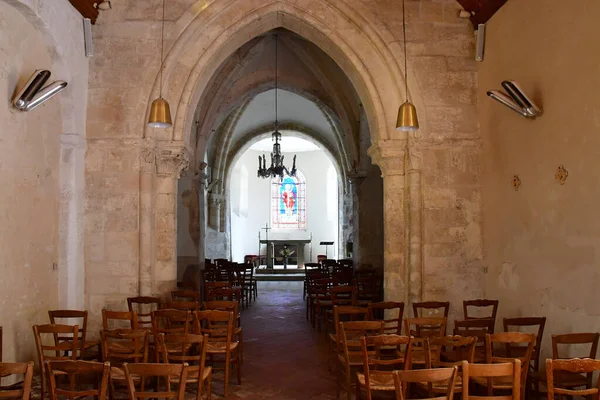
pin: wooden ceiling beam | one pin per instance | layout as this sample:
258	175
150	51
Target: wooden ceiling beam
481	10
86	8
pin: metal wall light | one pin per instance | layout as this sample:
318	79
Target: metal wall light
34	93
516	100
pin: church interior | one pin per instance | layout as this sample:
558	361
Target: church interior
299	199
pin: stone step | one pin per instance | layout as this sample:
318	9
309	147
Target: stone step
271	271
279	277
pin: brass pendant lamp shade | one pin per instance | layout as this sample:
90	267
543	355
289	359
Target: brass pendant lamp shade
160	112
407	114
407	118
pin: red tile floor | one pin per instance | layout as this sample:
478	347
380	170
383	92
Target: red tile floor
284	358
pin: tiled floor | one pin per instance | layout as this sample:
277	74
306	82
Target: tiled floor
284	358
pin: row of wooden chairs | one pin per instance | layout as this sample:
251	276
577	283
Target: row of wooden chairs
213	334
239	276
97	376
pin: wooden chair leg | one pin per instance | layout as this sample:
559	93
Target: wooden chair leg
239	368
227	364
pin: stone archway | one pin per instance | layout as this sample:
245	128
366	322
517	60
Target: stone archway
367	54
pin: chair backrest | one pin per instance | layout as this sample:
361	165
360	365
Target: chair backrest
183	305
184	348
402	379
343	295
576	365
351	332
374	359
481	308
517	345
510	369
218	325
431	309
185	295
21	391
476	328
119	320
448	351
170	321
143	306
392	322
70	317
536	324
124	345
47	346
425	326
567	340
76	370
167	371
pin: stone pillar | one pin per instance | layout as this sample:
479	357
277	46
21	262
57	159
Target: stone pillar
390	156
169	165
71	273
415	210
146	223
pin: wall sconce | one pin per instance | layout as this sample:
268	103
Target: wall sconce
518	100
33	93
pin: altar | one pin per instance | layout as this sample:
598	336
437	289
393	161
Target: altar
295	242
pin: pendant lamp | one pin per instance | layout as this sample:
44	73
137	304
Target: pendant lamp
407	114
160	113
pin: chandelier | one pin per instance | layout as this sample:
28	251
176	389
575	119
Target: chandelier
277	168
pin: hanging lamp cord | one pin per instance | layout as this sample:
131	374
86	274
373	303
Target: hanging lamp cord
405	56
162	45
276	80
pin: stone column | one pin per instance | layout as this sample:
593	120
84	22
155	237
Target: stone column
71	273
415	209
169	165
146	222
390	156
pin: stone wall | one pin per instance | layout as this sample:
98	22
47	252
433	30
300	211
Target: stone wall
542	241
42	154
431	196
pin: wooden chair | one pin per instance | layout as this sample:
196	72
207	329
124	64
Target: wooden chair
250	286
169	321
312	277
431	309
556	369
444	352
231	306
191	349
119	320
340	296
22	389
185	295
476	328
562	349
79	318
321	300
516	345
218	325
95	372
444	376
143	306
395	311
423	327
534	323
343	314
142	371
480	306
121	346
507	372
377	370
350	351
308	268
56	351
190	306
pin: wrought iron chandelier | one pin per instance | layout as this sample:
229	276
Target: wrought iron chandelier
277	168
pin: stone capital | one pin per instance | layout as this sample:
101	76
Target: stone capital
216	199
390	156
171	162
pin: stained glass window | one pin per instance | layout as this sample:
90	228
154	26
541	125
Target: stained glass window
288	202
